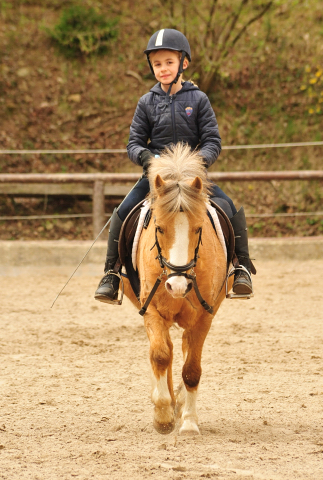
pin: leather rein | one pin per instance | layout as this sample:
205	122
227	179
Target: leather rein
179	271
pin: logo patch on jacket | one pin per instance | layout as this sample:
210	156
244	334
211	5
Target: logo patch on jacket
189	111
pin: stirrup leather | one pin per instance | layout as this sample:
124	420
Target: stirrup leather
242	296
118	301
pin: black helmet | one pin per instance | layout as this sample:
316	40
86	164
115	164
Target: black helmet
169	39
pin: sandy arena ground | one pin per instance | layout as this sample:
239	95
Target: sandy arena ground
75	387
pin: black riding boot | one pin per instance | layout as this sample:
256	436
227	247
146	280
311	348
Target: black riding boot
242	284
108	288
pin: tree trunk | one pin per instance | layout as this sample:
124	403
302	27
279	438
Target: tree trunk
208	80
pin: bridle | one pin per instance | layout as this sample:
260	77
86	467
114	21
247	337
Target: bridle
179	271
177	268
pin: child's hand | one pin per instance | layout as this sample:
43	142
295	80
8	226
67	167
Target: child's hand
145	159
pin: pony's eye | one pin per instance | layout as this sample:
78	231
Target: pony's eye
160	229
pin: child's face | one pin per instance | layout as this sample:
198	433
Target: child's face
165	64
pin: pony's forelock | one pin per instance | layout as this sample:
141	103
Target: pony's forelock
178	166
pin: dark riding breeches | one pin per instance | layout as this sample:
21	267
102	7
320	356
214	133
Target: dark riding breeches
136	195
225	202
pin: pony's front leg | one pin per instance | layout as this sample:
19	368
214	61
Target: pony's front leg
193	341
161	357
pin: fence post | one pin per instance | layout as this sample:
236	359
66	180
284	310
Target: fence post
98	210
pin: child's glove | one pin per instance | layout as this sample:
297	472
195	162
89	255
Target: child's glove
145	159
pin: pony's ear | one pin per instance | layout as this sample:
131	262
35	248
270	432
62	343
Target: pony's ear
197	183
158	183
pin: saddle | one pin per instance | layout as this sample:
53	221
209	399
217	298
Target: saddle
126	238
129	228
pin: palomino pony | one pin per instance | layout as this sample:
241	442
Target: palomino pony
180	250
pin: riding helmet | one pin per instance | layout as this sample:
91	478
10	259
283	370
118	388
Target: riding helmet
168	39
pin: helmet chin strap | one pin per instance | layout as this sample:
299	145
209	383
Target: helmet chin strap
180	71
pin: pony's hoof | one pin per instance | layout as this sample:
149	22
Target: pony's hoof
164	428
189	428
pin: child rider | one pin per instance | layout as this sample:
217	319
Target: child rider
172	111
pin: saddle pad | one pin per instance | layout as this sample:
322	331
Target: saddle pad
218	227
143	211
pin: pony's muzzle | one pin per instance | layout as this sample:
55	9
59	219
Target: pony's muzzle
178	287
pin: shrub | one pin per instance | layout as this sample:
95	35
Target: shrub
81	30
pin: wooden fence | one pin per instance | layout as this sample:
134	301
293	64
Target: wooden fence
100	185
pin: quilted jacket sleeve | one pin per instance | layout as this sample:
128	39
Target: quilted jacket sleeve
139	132
210	140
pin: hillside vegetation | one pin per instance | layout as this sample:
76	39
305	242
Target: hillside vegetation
267	88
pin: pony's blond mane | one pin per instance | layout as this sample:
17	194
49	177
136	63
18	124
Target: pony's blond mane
178	166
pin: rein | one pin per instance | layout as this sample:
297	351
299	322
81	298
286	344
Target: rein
178	272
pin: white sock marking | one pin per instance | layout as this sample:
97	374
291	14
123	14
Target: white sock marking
190	406
160	391
189	416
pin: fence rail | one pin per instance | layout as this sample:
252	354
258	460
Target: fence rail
124	150
133	177
99	180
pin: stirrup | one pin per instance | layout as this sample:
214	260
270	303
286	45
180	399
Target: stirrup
117	301
241	296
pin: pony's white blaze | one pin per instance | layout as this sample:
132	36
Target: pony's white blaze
178	255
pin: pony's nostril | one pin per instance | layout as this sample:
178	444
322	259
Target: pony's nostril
189	287
169	287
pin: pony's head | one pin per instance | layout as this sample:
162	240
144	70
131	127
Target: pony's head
179	188
178	166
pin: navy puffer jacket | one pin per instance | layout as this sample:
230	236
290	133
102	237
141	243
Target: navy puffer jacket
186	117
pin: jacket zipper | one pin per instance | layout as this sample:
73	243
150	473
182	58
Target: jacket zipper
172	106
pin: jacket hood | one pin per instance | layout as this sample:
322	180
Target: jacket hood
185	87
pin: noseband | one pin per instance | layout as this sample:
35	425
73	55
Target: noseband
178	272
